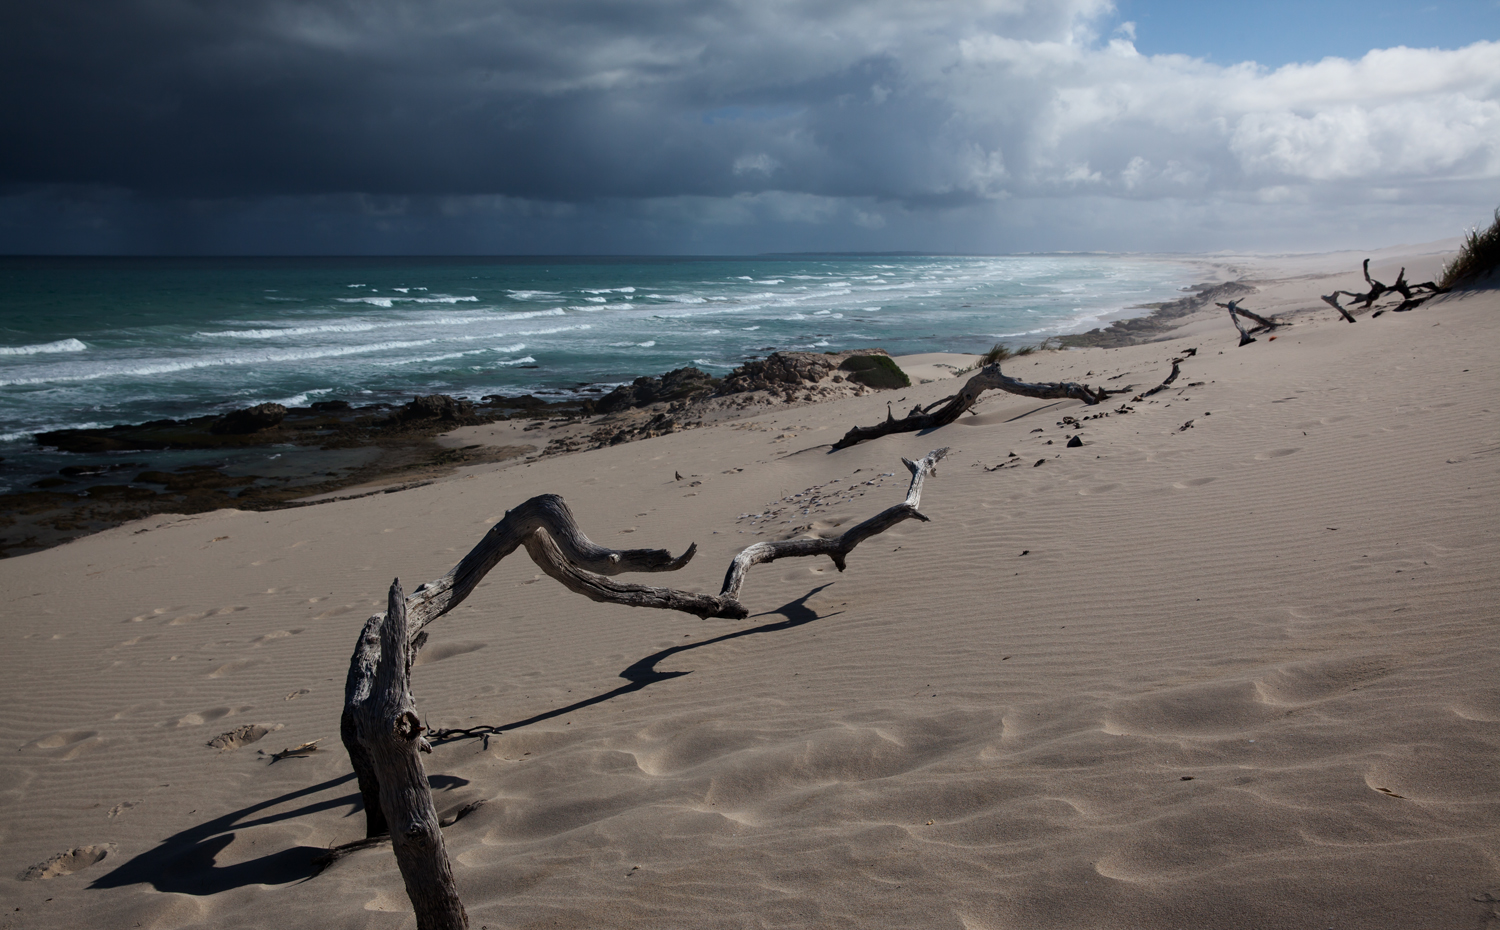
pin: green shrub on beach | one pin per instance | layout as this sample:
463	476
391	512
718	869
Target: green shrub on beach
1476	258
1001	352
876	371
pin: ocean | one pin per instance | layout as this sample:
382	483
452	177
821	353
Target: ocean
88	342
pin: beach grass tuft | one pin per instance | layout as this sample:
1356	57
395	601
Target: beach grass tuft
1476	258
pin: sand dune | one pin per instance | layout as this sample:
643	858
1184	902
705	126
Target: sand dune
1233	663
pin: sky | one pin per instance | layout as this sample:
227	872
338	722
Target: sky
187	127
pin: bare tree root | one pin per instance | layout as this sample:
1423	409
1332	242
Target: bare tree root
951	408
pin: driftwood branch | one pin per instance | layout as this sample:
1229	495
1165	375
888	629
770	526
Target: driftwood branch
1236	311
389	730
435	598
951	408
547	529
380	727
1411	294
1333	301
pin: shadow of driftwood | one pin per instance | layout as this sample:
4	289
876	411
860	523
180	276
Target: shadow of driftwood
642	673
185	863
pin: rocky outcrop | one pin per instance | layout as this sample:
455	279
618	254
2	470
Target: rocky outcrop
250	420
783	371
434	407
676	385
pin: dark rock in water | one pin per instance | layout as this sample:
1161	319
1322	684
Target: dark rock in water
195	479
49	483
247	421
120	491
331	406
674	385
82	471
434	407
1075	442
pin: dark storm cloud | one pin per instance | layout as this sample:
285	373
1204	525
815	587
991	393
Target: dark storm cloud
697	124
552	100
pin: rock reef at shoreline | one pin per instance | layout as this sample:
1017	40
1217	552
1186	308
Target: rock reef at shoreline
95	495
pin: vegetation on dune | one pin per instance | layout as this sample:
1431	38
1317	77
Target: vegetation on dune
876	371
1001	351
1477	257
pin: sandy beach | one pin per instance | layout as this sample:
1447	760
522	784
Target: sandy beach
1232	662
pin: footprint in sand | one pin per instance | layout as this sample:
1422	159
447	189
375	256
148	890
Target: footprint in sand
437	652
62	738
1192	483
201	717
1085	492
242	736
1275	454
229	668
66	863
274	635
155	613
191	618
335	611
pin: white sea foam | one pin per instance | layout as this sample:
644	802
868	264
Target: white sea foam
388	302
528	360
300	400
26	434
608	290
189	364
431	358
62	345
362	326
533	295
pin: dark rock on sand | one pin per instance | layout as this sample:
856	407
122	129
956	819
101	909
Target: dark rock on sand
435	407
672	386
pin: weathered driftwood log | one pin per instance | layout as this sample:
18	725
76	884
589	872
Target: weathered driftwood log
1333	301
1167	382
951	408
435	598
1236	311
1409	293
390	732
546	527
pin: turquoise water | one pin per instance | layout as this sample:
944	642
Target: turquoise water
96	342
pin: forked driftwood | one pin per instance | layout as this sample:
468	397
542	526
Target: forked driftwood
1236	311
380	727
1409	294
390	733
951	408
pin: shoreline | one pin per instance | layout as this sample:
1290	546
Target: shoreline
426	449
